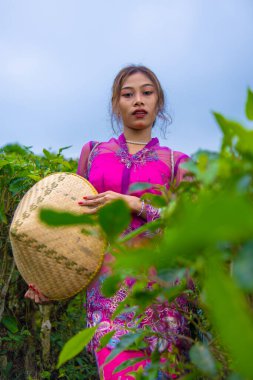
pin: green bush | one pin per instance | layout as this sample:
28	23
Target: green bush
22	355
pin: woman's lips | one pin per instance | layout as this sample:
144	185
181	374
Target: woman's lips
139	114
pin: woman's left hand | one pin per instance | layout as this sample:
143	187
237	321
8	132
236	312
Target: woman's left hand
95	202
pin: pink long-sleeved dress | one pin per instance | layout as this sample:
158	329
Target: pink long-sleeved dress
109	166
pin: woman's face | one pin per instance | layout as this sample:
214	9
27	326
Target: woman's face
137	106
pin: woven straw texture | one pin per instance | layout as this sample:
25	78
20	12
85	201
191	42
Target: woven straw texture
60	261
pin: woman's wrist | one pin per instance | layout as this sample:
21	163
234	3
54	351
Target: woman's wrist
138	207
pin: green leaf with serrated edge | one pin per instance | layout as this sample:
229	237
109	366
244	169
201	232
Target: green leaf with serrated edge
10	323
203	359
58	218
228	309
249	105
140	186
114	218
75	345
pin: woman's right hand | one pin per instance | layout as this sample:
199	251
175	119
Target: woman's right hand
34	294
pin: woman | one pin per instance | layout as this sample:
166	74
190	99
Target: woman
137	101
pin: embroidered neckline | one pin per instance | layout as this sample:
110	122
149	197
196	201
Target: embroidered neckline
123	144
141	157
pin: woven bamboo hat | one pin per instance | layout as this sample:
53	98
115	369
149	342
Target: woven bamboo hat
59	261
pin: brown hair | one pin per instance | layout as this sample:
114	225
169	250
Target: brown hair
116	89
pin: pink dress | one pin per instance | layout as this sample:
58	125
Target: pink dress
109	166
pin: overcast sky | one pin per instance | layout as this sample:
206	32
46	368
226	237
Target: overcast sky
58	59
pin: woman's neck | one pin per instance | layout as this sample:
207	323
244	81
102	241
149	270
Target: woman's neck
133	137
143	135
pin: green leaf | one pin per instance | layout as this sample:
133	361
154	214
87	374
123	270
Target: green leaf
58	218
155	200
126	342
128	363
10	323
229	310
235	135
203	359
114	218
34	177
18	184
47	154
3	163
140	186
243	267
75	345
106	339
64	148
111	285
249	105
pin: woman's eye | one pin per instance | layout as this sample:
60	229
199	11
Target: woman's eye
127	94
148	92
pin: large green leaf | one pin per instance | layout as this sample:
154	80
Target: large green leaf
249	105
196	225
230	314
75	345
114	218
212	218
59	218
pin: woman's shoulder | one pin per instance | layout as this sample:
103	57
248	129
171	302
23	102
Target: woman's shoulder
93	143
168	154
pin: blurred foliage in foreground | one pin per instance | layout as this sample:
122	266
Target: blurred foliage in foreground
206	234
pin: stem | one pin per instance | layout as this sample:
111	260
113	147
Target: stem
140	230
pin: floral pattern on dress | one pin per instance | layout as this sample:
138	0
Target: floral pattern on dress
138	159
164	319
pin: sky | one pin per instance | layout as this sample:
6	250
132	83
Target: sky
58	59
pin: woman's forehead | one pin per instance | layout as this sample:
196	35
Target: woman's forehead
137	80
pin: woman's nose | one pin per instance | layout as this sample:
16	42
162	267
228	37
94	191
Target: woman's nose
138	99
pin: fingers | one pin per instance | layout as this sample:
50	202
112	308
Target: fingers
94	200
34	294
